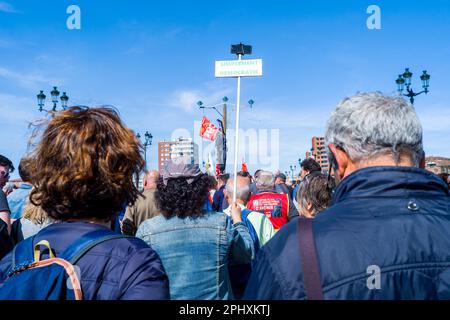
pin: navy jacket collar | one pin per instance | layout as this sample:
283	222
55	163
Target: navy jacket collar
390	182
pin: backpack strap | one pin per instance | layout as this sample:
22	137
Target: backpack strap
245	212
81	246
310	265
251	229
22	254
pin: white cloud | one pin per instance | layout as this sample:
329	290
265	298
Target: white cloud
6	7
17	110
27	80
186	99
210	94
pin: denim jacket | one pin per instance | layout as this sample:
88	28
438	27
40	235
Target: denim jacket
195	252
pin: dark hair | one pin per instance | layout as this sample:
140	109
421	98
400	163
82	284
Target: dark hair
224	177
4	161
314	189
84	165
24	167
310	165
244	174
257	172
213	183
281	176
181	199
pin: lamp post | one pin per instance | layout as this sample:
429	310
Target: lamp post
148	138
293	168
405	80
223	114
55	99
223	123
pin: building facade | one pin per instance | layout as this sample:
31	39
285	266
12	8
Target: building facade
164	148
181	147
319	152
437	164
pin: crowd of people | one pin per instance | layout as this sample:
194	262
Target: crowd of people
185	237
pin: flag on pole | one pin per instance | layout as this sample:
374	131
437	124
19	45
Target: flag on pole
208	131
244	166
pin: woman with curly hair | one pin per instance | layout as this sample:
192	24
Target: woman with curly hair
82	172
195	245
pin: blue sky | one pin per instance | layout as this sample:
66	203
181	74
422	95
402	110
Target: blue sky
153	60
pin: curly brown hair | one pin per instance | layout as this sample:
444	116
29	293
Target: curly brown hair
84	165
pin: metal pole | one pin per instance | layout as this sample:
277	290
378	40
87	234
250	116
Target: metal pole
224	118
224	125
236	143
145	158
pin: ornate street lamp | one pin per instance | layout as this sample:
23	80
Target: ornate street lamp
41	99
293	168
55	99
64	99
55	96
404	80
148	138
223	124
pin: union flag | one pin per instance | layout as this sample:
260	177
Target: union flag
208	131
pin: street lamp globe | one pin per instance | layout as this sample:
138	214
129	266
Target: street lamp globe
41	98
55	95
64	99
148	138
251	102
225	99
400	83
425	78
407	75
200	104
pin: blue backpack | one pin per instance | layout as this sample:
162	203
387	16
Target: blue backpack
251	229
56	278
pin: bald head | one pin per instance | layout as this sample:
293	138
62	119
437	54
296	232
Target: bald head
150	179
243	189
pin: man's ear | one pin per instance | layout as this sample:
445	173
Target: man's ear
342	161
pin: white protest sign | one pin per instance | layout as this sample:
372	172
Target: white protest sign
239	68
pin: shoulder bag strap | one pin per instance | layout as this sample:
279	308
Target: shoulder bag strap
310	265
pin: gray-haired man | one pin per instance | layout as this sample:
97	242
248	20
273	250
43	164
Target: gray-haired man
278	207
263	227
387	234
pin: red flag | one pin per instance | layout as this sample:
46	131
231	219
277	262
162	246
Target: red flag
217	170
208	131
244	166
